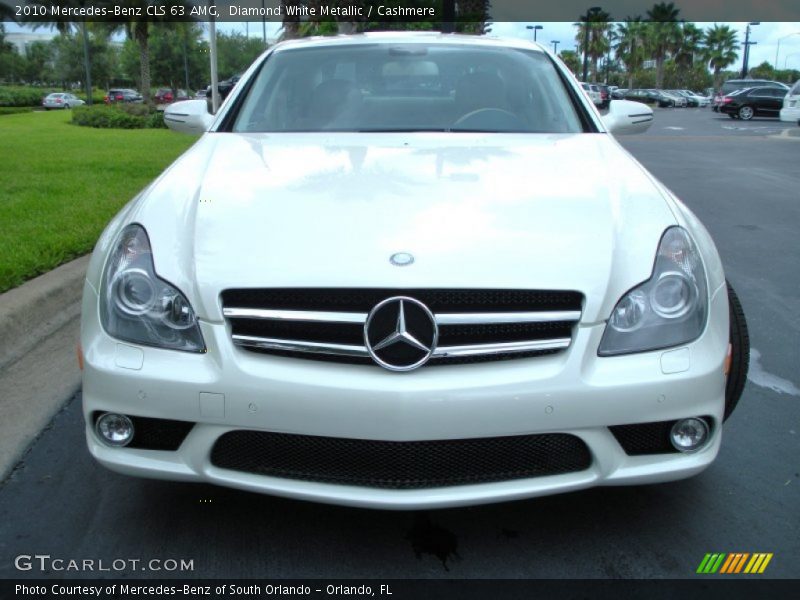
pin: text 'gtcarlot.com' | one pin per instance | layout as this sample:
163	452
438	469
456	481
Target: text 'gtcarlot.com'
45	562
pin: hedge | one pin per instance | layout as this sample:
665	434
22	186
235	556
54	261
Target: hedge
124	116
13	110
23	96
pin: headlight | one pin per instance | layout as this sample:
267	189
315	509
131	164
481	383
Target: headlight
137	306
668	309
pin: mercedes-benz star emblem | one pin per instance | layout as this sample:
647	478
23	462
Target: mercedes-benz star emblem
400	333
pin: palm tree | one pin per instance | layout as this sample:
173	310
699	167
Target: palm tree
139	32
473	16
720	49
291	23
664	35
630	45
7	13
599	25
692	40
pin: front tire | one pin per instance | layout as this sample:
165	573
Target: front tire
746	113
740	354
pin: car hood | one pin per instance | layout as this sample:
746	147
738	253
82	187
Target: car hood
567	212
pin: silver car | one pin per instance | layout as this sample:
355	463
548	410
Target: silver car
61	100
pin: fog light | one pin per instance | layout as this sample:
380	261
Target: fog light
688	435
114	430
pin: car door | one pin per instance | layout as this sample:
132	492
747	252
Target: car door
776	101
760	99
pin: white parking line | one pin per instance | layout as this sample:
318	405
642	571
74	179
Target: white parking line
761	378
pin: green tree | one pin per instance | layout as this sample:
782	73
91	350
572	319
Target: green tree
763	71
690	46
176	55
38	62
139	32
664	35
572	60
64	27
236	52
720	49
599	27
67	50
630	39
11	63
680	77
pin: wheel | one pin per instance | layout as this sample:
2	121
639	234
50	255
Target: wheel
739	354
746	113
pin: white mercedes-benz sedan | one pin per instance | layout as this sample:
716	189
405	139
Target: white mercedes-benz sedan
408	271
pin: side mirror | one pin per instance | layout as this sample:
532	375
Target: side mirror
625	117
188	116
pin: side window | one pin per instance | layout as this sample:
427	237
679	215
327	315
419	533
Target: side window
795	91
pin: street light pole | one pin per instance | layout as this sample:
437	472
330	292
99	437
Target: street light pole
555	46
535	29
777	51
747	44
586	18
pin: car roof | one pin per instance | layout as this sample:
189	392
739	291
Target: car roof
405	37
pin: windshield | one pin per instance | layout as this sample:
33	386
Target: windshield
407	87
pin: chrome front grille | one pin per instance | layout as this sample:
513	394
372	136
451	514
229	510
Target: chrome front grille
473	325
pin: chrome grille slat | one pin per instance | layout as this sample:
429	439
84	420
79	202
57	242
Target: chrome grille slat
361	351
474	325
545	316
501	348
294	315
300	346
441	318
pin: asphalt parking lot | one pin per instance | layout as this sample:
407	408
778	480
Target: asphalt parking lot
743	181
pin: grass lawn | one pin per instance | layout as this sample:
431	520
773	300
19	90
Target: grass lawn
60	184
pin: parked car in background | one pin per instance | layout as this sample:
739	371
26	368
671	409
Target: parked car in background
648	96
61	100
753	102
691	101
618	93
200	94
790	112
733	85
224	87
167	95
122	95
605	95
695	99
593	92
678	100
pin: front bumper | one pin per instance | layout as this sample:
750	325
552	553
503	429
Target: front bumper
572	392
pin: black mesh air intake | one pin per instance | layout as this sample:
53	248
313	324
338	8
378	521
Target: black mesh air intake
400	465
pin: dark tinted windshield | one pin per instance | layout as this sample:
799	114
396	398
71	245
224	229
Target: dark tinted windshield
408	87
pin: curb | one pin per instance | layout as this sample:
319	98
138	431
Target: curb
39	327
38	308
